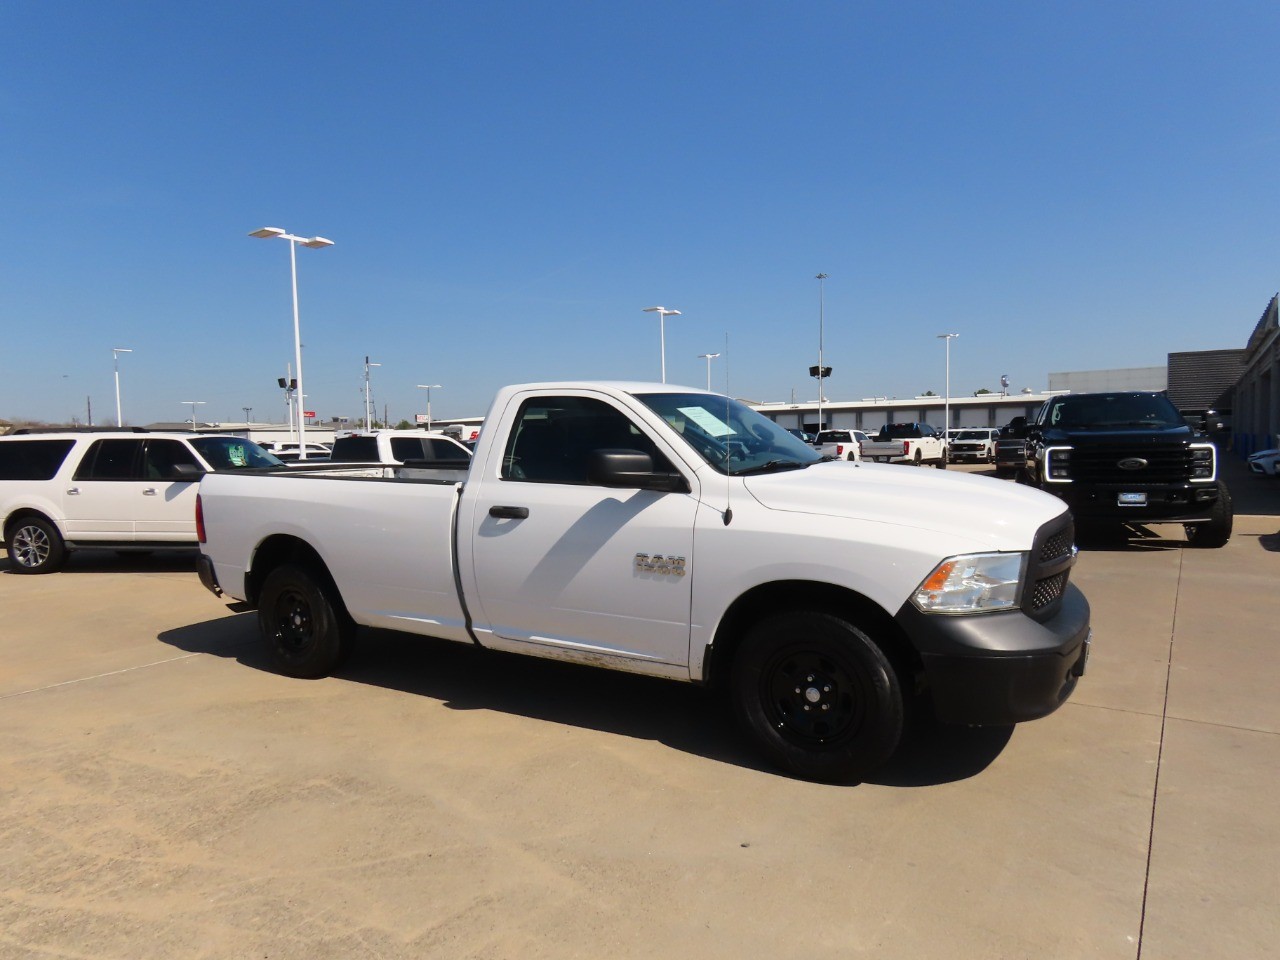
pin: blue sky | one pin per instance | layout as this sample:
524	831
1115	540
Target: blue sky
1068	186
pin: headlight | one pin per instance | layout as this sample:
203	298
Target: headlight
975	583
1203	462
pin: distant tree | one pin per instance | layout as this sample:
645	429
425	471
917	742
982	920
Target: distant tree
980	392
404	425
928	393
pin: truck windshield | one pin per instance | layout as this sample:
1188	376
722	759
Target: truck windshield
729	435
1113	411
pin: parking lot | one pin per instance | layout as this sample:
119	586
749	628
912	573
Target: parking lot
164	795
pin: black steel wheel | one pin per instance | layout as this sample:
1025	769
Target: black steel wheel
308	633
34	545
1217	530
819	696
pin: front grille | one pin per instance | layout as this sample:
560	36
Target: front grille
1052	557
1057	546
1048	590
1165	463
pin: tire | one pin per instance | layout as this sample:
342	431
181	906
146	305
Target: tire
818	696
941	463
308	633
918	459
1217	530
34	545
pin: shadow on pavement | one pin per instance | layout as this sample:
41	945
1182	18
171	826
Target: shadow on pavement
125	561
681	716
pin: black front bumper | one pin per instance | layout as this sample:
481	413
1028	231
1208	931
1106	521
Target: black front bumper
1001	668
1165	503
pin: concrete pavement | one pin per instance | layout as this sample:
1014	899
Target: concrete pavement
163	795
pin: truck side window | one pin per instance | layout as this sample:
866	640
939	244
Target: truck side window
110	460
553	437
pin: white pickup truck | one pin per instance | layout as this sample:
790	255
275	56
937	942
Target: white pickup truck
913	443
676	533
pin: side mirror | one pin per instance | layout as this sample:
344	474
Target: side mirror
185	471
631	469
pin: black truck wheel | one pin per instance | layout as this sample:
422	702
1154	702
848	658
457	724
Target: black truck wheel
818	696
34	545
1216	531
308	633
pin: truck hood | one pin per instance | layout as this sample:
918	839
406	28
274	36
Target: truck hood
1120	437
995	514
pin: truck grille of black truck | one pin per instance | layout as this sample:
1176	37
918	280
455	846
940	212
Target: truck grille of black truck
1052	557
1165	463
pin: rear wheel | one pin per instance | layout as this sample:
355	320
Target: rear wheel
1216	531
308	633
918	459
34	545
818	696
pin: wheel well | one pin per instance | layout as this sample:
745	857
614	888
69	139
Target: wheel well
771	598
276	551
23	514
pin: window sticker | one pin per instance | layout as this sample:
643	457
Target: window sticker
707	421
237	456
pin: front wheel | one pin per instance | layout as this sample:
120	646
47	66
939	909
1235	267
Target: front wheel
34	546
308	633
1216	531
818	696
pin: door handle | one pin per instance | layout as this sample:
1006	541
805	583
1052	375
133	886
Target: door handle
73	492
149	492
509	513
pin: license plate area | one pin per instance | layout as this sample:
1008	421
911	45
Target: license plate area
1138	499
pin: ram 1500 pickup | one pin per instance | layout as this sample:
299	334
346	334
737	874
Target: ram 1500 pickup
677	533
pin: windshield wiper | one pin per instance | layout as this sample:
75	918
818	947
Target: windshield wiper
772	465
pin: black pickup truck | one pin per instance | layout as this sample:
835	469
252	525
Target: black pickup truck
1128	457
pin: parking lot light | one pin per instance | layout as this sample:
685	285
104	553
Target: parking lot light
314	243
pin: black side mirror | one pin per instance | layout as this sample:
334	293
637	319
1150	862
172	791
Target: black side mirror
631	469
185	471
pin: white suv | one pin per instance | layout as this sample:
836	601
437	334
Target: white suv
120	489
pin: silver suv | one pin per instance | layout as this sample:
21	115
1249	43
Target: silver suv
120	489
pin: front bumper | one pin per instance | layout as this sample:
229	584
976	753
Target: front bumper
1165	503
1001	668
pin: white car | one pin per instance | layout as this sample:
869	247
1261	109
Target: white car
1265	462
119	489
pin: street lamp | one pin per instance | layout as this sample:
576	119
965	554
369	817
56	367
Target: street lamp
315	243
194	404
708	357
820	277
663	313
946	403
367	420
115	357
428	387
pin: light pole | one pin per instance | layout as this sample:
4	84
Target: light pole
248	414
708	357
115	358
368	425
946	402
194	404
315	243
820	277
428	387
663	313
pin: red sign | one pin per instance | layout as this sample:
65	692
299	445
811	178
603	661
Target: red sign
309	414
